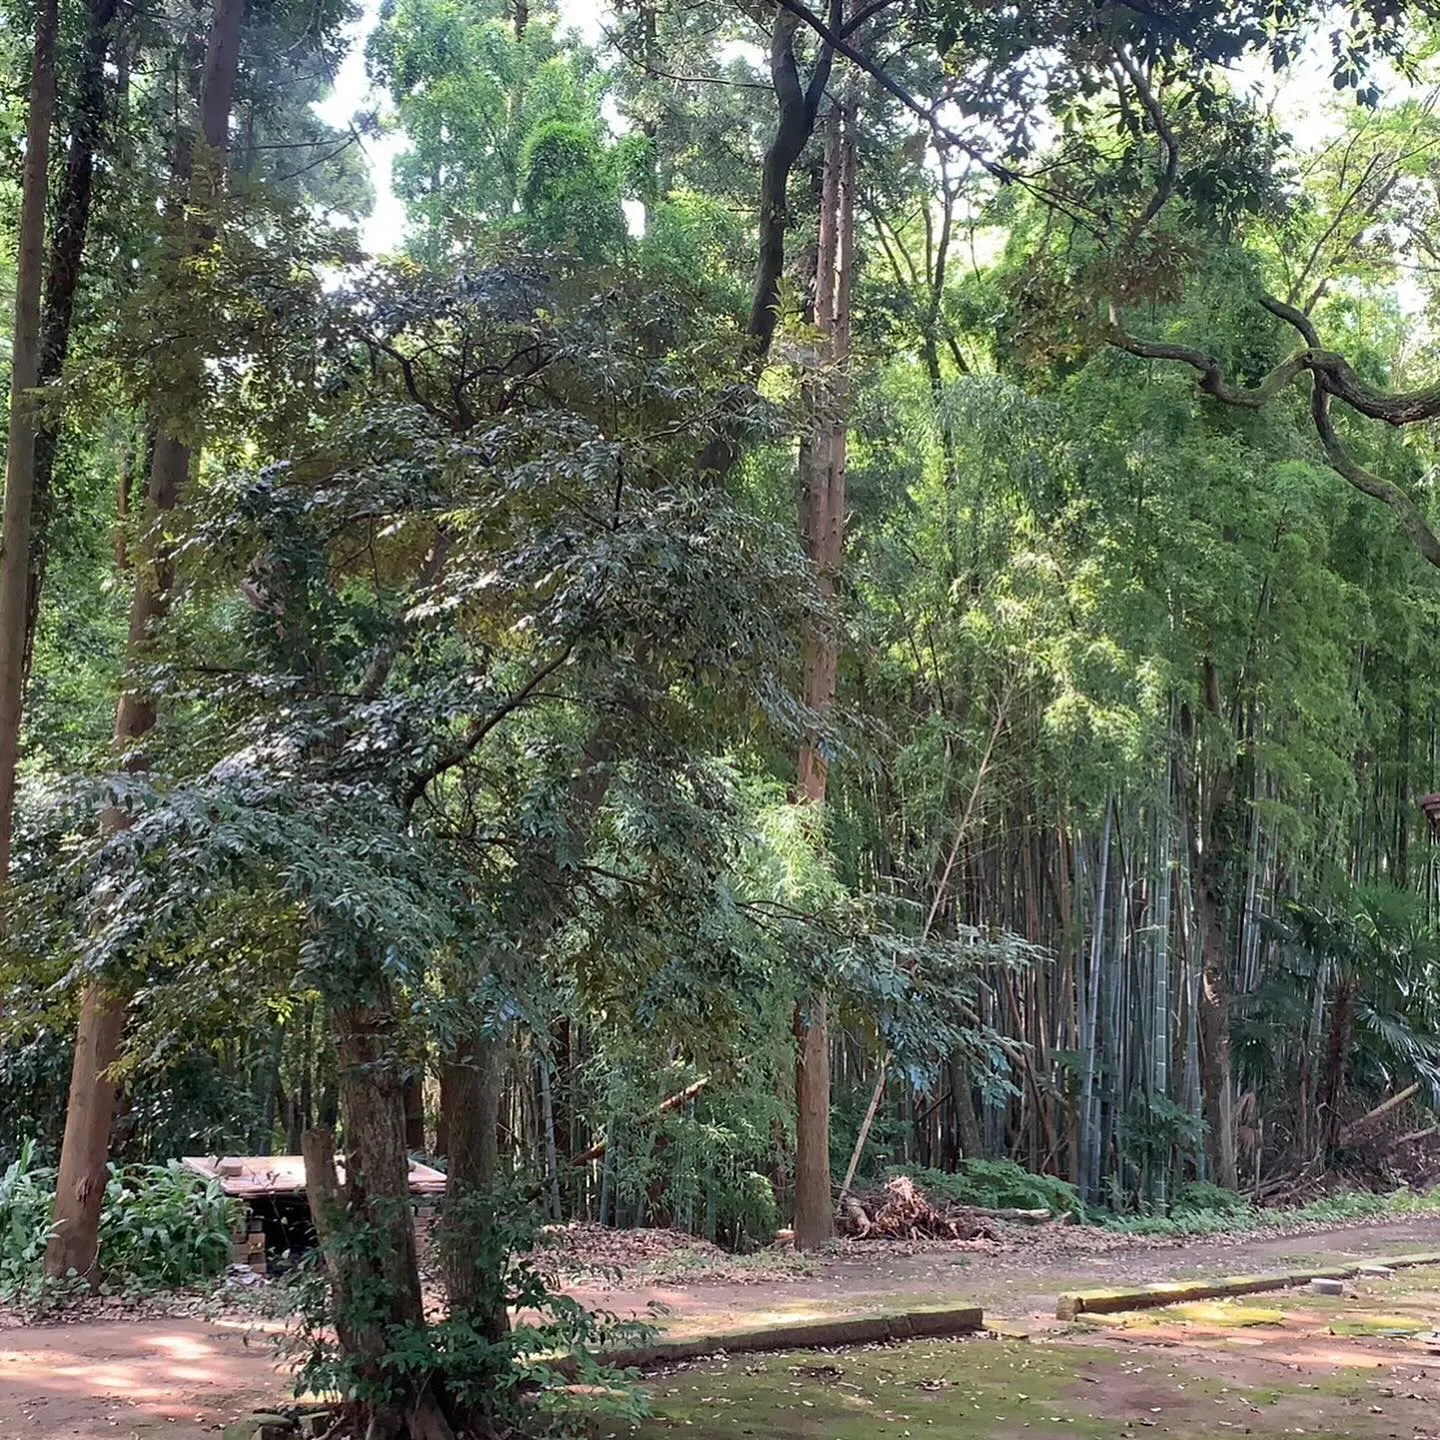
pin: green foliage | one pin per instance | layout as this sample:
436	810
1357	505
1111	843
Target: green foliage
746	1214
571	191
995	1184
494	120
27	1198
161	1227
1204	1209
1196	1196
479	691
494	1376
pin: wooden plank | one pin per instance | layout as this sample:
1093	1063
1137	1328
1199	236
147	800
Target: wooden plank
1147	1297
928	1322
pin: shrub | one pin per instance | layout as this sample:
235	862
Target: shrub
163	1226
27	1196
746	1213
1201	1197
995	1185
498	1379
1202	1209
160	1227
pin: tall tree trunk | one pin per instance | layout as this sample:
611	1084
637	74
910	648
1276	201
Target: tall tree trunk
377	1281
69	233
1209	826
967	1122
823	524
20	447
797	106
85	1149
474	1278
1216	1072
80	1187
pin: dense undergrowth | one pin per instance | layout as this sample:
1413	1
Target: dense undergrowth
1198	1209
161	1227
164	1228
994	1185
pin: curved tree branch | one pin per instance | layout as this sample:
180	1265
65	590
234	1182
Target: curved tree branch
1331	376
1170	172
1387	492
1212	374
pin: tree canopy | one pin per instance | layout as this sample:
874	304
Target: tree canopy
856	586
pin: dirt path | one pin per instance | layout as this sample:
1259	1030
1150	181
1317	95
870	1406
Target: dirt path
1008	1284
132	1379
185	1378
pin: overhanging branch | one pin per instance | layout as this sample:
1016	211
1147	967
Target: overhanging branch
1332	377
1212	374
1368	482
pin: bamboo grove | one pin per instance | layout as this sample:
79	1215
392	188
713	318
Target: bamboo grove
834	588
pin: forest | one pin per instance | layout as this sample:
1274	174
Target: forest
850	589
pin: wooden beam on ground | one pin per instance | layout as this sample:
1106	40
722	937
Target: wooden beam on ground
1176	1292
926	1322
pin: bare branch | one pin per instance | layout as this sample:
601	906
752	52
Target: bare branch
1331	375
478	729
1156	111
838	41
1212	375
866	12
1343	463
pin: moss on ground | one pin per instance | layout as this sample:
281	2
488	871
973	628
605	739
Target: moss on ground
1114	1381
942	1389
993	1389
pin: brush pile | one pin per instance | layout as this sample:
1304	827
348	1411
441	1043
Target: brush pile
900	1211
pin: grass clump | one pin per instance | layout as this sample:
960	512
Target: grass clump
1202	1209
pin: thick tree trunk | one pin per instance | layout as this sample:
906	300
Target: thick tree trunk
1216	1072
378	1280
967	1122
1207	839
80	1188
354	1289
69	233
84	1152
474	1267
814	1204
20	445
823	525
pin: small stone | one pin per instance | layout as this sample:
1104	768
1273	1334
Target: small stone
316	1423
1375	1272
1327	1287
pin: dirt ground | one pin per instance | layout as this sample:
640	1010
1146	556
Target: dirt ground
1016	1284
185	1377
133	1379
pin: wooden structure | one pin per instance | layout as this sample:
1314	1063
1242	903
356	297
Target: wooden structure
1430	804
263	1184
248	1176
